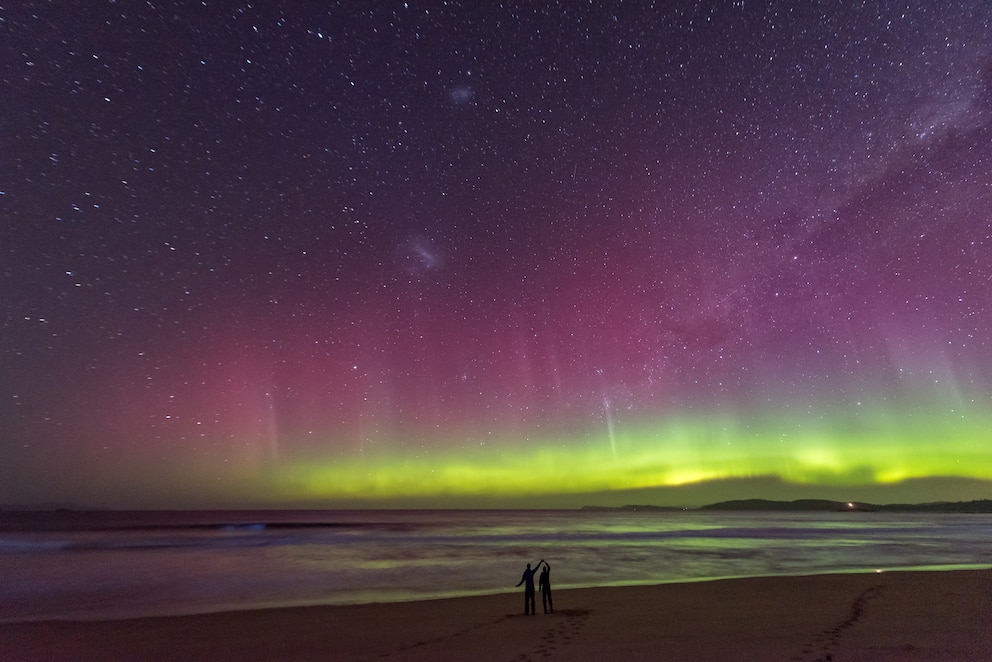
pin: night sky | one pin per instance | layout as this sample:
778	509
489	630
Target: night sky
470	253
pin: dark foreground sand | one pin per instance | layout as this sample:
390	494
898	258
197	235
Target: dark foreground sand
878	617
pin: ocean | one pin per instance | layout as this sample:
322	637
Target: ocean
97	565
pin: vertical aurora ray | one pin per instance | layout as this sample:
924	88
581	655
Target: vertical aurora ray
610	432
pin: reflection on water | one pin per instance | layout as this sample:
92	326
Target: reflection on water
174	563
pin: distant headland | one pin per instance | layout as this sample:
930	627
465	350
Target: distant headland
818	505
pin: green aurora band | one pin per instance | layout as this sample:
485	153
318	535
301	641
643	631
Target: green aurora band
861	448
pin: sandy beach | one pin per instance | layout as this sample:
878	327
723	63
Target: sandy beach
886	616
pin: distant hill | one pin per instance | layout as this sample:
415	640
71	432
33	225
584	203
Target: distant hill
980	506
765	504
817	505
633	508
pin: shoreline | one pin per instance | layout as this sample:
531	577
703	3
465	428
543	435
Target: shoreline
95	616
892	615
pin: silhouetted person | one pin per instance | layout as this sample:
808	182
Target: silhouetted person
544	582
530	606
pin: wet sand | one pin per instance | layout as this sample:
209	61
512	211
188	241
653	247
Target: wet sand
879	617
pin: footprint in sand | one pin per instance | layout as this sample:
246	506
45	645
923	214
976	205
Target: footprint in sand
822	647
567	624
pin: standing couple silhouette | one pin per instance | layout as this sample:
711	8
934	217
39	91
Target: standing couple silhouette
544	581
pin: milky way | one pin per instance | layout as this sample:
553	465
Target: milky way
324	253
